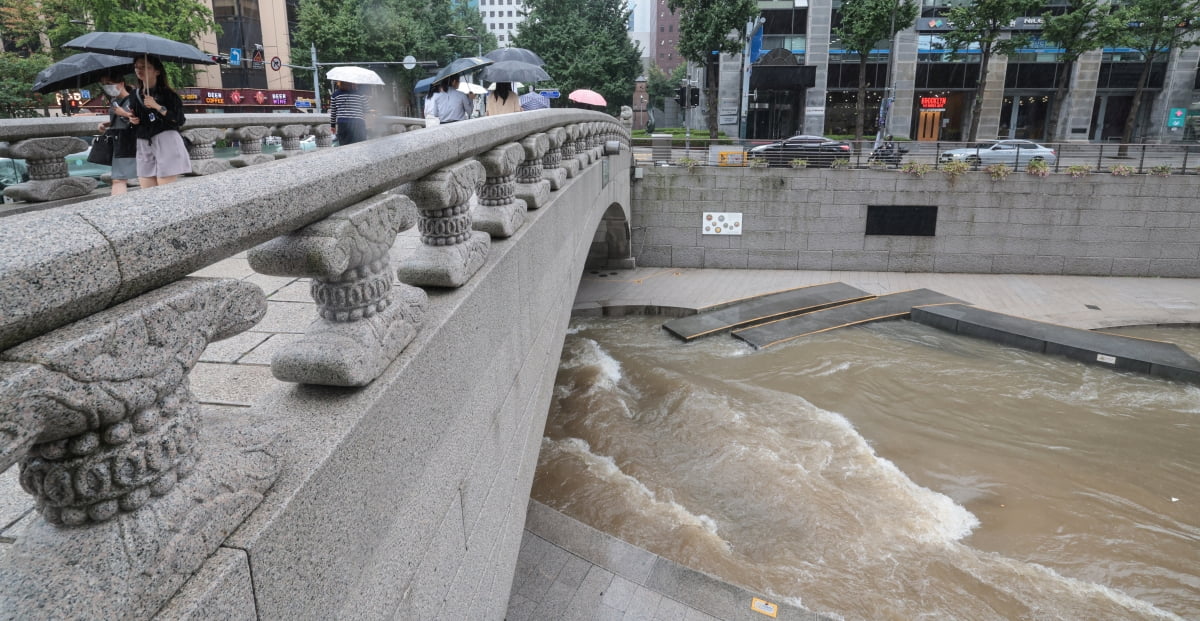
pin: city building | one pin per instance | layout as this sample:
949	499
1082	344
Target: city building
502	18
935	92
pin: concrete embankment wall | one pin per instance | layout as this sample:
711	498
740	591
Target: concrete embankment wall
809	219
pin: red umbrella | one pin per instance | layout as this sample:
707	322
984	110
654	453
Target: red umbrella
584	96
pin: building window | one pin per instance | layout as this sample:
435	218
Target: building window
499	37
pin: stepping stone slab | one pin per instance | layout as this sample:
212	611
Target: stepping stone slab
745	312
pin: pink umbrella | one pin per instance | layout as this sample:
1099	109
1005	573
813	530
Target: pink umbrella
584	96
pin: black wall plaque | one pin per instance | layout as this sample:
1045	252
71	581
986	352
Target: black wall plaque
919	220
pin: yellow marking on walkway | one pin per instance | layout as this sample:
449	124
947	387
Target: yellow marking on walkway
764	607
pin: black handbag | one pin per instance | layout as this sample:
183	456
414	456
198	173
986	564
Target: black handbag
102	151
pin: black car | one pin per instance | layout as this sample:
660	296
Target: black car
816	150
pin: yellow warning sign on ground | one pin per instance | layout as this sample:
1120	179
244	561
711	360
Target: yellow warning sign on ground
731	158
764	607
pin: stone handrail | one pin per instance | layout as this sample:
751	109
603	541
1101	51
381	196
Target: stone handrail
46	142
99	325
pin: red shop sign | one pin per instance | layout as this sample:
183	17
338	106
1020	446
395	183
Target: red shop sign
933	102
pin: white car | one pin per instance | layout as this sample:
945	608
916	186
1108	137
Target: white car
1015	153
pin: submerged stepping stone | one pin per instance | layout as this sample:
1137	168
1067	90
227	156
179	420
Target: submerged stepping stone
764	308
1126	353
890	306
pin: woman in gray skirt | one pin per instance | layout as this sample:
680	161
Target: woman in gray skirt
161	153
118	126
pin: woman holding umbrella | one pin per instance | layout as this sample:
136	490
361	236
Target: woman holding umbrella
161	153
119	126
347	113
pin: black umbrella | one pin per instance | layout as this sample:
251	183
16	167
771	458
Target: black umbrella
134	44
75	71
514	71
461	66
519	54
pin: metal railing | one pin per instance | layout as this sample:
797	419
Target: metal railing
1163	159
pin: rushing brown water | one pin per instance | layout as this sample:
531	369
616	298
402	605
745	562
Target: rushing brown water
889	471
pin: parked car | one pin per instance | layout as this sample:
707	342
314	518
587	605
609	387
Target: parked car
816	150
1015	153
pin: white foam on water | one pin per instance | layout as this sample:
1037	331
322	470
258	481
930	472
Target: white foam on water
586	352
606	469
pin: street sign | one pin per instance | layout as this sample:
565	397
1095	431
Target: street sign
256	61
276	63
550	94
235	55
303	104
1177	117
410	62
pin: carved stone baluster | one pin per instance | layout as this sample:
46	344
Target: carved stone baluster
100	418
251	145
581	146
596	140
291	135
552	169
365	322
531	187
450	251
48	177
201	151
397	128
569	162
498	213
324	134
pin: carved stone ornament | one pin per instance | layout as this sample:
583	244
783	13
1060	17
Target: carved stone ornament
250	139
569	162
531	187
552	170
364	321
324	134
48	176
201	152
499	214
450	251
99	416
290	136
582	150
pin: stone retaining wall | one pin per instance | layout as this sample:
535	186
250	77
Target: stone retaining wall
1099	224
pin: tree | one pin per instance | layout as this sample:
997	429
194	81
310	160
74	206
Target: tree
1154	28
16	75
387	30
707	28
585	45
864	24
1081	29
983	23
660	85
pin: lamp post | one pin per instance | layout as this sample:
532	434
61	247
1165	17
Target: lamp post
478	39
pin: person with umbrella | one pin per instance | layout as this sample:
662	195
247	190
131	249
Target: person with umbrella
161	153
347	113
534	100
119	126
453	105
502	100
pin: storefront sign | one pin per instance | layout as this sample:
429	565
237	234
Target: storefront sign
1177	117
214	97
933	102
280	99
236	97
189	97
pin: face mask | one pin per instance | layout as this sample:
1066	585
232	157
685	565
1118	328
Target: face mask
112	90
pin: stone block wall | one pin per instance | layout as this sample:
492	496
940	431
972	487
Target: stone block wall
810	219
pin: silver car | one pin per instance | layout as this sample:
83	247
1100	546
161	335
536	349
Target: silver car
1015	153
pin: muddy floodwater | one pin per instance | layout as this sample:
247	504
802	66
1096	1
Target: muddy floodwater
888	471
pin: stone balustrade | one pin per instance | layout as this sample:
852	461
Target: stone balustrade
99	323
46	142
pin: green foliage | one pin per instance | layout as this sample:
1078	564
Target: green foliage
585	45
956	168
1122	170
916	169
1078	170
1037	168
998	171
1084	26
1154	28
660	85
16	75
799	163
706	26
1161	170
388	30
982	23
866	23
839	163
689	162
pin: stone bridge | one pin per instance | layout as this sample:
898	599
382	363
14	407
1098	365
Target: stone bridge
390	478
